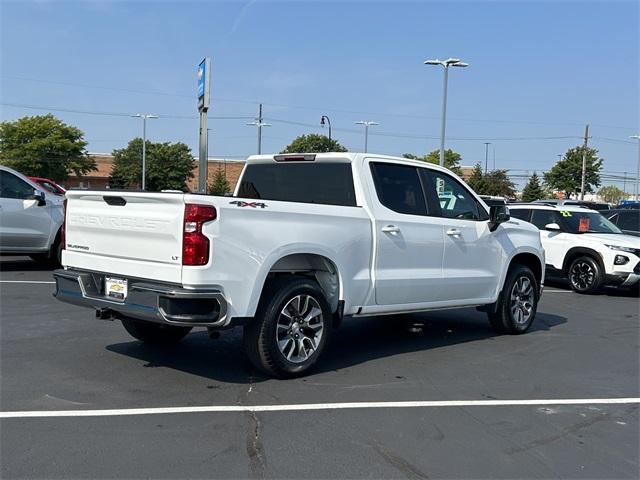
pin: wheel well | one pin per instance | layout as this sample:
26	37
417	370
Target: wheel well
575	252
323	270
531	261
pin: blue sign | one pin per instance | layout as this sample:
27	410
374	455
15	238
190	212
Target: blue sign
201	78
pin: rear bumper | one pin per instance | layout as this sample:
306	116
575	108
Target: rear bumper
150	301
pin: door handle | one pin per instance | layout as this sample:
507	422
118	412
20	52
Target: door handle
454	232
392	229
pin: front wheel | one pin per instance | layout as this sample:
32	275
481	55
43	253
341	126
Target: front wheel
585	275
154	333
291	328
518	302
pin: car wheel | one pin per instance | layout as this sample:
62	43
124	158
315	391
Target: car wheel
154	333
518	302
291	328
585	275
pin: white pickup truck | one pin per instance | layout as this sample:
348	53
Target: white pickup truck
306	240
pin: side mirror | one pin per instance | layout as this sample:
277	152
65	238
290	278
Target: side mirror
498	214
552	227
39	196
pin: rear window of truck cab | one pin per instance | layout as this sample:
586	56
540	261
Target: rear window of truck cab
304	182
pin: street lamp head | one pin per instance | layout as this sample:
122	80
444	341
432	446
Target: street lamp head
635	137
137	115
322	120
152	116
451	61
433	62
460	64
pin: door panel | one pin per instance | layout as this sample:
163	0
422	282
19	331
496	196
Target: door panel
409	243
472	254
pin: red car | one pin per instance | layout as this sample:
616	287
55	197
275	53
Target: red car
50	185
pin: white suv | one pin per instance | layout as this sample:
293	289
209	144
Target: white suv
583	246
30	218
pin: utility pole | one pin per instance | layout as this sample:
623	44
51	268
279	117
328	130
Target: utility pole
584	162
259	123
637	188
486	156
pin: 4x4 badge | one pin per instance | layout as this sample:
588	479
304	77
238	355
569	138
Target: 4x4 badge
241	203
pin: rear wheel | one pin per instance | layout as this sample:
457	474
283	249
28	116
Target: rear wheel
585	275
518	302
291	328
153	333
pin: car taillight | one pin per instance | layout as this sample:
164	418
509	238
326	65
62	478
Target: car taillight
63	228
195	245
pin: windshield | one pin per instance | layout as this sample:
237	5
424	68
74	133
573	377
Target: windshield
588	222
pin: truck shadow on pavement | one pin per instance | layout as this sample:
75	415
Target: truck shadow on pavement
357	341
23	264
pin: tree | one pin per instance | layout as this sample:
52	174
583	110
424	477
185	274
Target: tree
168	166
44	146
533	190
497	183
219	185
566	175
476	180
611	194
313	143
451	159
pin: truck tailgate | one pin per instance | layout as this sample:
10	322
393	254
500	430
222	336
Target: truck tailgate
133	234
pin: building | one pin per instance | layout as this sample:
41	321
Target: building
99	179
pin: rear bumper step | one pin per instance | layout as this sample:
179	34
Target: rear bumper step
154	302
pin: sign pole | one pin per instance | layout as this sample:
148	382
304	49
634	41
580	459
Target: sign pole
204	84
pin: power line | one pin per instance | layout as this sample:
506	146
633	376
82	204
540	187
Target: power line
304	107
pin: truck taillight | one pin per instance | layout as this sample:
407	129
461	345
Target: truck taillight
63	228
195	245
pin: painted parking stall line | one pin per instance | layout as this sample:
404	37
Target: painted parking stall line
317	406
47	282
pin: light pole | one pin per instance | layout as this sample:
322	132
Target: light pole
486	157
450	62
366	124
637	189
322	120
259	123
144	145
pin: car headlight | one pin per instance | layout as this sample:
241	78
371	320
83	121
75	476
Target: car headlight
622	249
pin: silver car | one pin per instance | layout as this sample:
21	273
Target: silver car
30	218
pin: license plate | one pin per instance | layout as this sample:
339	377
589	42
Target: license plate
115	288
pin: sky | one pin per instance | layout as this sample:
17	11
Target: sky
539	71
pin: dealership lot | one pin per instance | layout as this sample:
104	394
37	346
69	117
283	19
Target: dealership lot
56	358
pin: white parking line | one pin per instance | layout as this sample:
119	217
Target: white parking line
547	290
26	281
315	406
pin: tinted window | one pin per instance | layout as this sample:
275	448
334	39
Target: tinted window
629	220
308	182
520	213
540	218
587	222
455	200
13	187
399	188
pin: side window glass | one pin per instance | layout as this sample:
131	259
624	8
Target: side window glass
399	188
540	218
629	220
12	187
455	200
520	213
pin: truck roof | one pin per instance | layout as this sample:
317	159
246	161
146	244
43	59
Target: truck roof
342	157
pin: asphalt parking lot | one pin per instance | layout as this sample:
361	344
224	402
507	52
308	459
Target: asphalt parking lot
57	358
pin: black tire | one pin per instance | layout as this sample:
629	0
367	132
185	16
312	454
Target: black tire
154	333
261	335
520	291
53	258
585	275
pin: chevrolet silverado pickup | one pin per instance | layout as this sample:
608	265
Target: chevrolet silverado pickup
305	241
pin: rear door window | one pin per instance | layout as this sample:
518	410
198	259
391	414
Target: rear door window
399	188
520	213
629	220
541	218
304	182
13	187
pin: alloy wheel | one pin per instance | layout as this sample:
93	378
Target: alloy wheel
582	275
522	300
300	328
